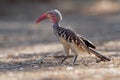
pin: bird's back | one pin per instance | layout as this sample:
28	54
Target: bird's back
67	36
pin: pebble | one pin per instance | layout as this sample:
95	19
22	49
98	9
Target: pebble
69	68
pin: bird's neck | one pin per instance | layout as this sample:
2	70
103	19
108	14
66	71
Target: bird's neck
56	25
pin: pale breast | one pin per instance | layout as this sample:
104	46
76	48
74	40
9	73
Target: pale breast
64	42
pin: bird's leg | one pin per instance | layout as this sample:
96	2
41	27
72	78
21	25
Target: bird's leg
64	59
75	58
67	52
74	50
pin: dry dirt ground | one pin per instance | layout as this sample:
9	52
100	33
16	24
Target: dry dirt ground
23	45
22	63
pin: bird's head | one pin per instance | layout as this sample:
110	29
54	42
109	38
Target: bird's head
54	15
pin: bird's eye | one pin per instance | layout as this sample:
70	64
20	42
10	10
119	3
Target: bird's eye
52	15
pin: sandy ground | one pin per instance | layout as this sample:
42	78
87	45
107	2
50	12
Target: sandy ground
22	43
20	63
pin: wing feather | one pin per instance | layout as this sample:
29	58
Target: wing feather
88	43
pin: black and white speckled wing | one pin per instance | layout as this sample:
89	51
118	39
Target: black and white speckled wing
72	37
68	35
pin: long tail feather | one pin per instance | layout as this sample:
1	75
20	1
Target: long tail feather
103	58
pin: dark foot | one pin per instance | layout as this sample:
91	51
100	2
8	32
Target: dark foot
99	60
74	60
75	64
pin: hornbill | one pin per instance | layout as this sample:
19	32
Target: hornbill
70	39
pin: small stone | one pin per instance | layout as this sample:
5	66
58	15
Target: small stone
111	65
69	68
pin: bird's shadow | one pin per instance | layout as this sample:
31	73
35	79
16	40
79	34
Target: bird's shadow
28	63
